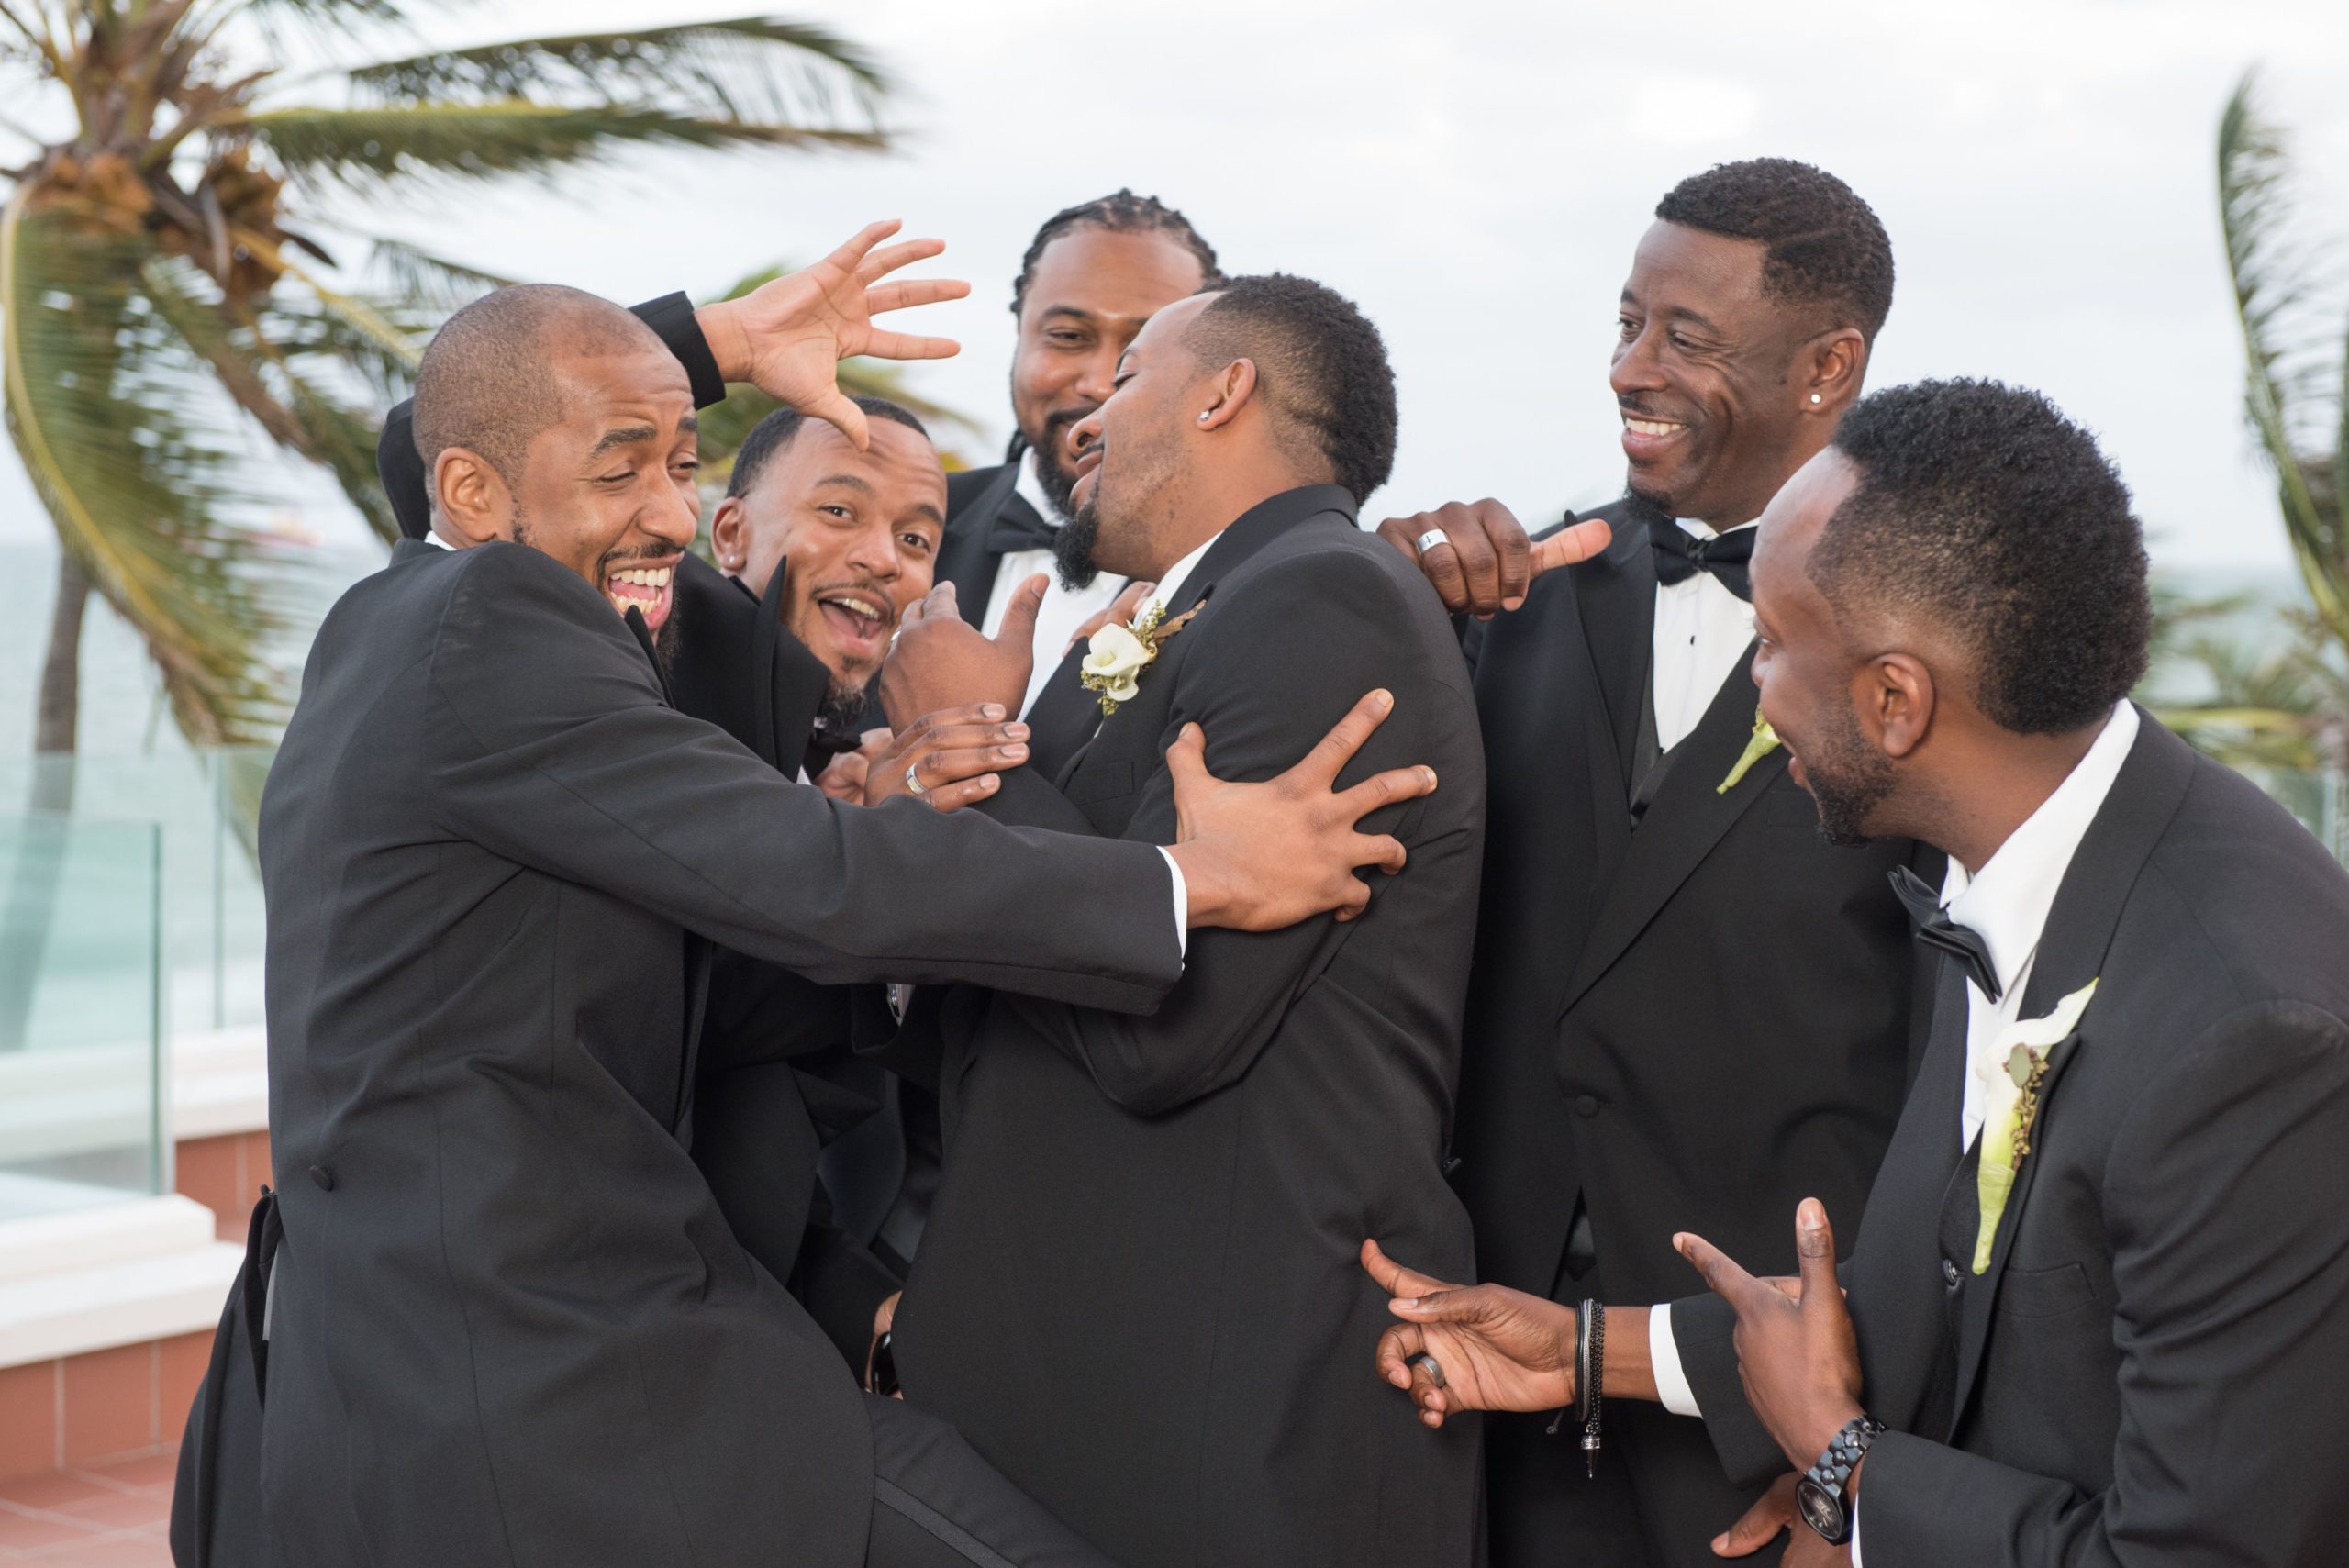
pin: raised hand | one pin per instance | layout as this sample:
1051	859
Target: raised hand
1795	1354
956	754
1485	561
787	336
1257	857
1480	1346
940	661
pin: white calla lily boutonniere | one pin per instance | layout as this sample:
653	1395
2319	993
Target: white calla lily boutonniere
2012	1074
1764	741
1119	653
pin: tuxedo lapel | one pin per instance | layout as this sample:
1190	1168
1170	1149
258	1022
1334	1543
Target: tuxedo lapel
1062	718
1617	596
2145	797
1688	817
964	558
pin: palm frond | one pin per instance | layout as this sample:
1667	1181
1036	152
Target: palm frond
754	68
434	283
369	148
147	502
2275	305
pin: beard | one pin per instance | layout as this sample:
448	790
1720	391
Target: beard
1057	483
843	707
1849	779
1073	545
1645	507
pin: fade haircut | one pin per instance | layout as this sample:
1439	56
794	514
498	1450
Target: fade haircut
1119	212
1320	368
483	384
1823	245
1981	509
778	429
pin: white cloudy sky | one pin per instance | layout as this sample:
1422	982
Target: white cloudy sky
1475	174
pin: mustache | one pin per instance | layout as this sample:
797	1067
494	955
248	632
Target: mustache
873	585
1060	419
1642	408
612	558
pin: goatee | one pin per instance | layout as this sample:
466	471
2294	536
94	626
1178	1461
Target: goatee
1073	545
1058	485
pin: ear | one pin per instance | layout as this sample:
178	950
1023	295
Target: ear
1830	370
470	497
1225	394
1894	699
729	534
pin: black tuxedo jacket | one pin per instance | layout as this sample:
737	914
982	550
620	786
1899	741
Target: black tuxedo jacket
1139	1294
510	1324
1692	1026
975	499
2154	1367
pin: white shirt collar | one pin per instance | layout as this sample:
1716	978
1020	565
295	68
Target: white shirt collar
1177	574
2008	901
1705	530
435	541
1031	490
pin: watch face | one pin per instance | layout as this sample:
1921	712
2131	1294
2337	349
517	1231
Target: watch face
1821	1510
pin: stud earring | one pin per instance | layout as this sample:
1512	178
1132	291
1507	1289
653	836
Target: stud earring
1203	414
1814	397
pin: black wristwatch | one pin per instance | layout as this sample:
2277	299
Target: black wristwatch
1818	1495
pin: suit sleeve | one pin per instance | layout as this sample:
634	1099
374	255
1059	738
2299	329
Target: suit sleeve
2230	1266
1702	1330
551	745
400	467
1277	664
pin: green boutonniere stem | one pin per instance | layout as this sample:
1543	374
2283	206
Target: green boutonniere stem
1764	741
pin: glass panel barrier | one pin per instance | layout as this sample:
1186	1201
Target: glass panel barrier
81	1013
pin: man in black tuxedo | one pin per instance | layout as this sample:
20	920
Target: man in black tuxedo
1137	1292
2096	1308
495	856
1649	926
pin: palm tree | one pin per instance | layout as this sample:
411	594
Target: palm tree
166	286
2292	708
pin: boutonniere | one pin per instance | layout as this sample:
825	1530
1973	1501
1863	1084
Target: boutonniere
1760	744
1119	653
2012	1074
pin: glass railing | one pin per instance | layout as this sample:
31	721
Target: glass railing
2319	798
82	1013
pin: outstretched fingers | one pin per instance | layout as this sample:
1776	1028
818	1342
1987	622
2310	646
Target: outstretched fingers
1721	1274
850	255
1318	770
909	346
906	293
880	264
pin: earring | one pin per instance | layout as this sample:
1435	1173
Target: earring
1203	414
1814	397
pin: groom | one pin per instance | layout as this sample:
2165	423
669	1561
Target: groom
2097	1307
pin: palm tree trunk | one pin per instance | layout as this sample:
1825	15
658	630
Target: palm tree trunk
41	844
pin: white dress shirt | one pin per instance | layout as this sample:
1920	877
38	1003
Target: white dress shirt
1701	631
2007	902
1064	609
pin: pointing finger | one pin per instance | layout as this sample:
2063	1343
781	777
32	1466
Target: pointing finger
1815	1246
1721	1276
1568	545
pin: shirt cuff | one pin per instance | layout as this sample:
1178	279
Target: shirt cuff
1855	1533
672	317
1182	905
1671	1388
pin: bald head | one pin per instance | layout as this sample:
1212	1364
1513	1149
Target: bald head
487	383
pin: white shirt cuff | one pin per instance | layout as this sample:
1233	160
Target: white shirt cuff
1671	1388
1855	1533
1182	905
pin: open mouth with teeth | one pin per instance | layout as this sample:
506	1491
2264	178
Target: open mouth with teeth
642	588
858	618
1646	439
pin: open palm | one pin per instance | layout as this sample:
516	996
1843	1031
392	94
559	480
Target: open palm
1496	1348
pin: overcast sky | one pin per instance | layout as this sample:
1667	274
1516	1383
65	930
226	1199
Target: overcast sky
1475	176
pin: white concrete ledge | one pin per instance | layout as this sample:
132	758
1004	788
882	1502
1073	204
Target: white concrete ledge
117	1275
219	1084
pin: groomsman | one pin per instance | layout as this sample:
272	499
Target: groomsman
2097	1307
1137	1293
493	853
1684	1014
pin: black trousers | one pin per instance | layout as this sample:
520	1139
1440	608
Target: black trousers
936	1503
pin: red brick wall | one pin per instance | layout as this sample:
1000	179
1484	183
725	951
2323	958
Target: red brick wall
98	1406
225	1175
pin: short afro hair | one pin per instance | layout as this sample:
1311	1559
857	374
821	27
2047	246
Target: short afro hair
482	383
778	429
1982	508
1823	245
1119	212
1321	367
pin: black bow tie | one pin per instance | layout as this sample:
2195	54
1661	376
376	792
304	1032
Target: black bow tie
1680	555
1936	930
1017	528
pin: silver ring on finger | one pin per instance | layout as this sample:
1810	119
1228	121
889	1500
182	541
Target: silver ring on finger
1433	538
1432	1367
913	778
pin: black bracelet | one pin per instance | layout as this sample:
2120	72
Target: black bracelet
1590	1378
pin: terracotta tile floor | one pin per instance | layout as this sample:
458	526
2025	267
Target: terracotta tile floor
104	1516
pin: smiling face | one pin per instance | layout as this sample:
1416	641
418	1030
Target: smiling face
1810	681
1705	376
854	532
1134	446
1091	292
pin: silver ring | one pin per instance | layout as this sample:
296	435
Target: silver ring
913	783
1434	1368
1433	538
